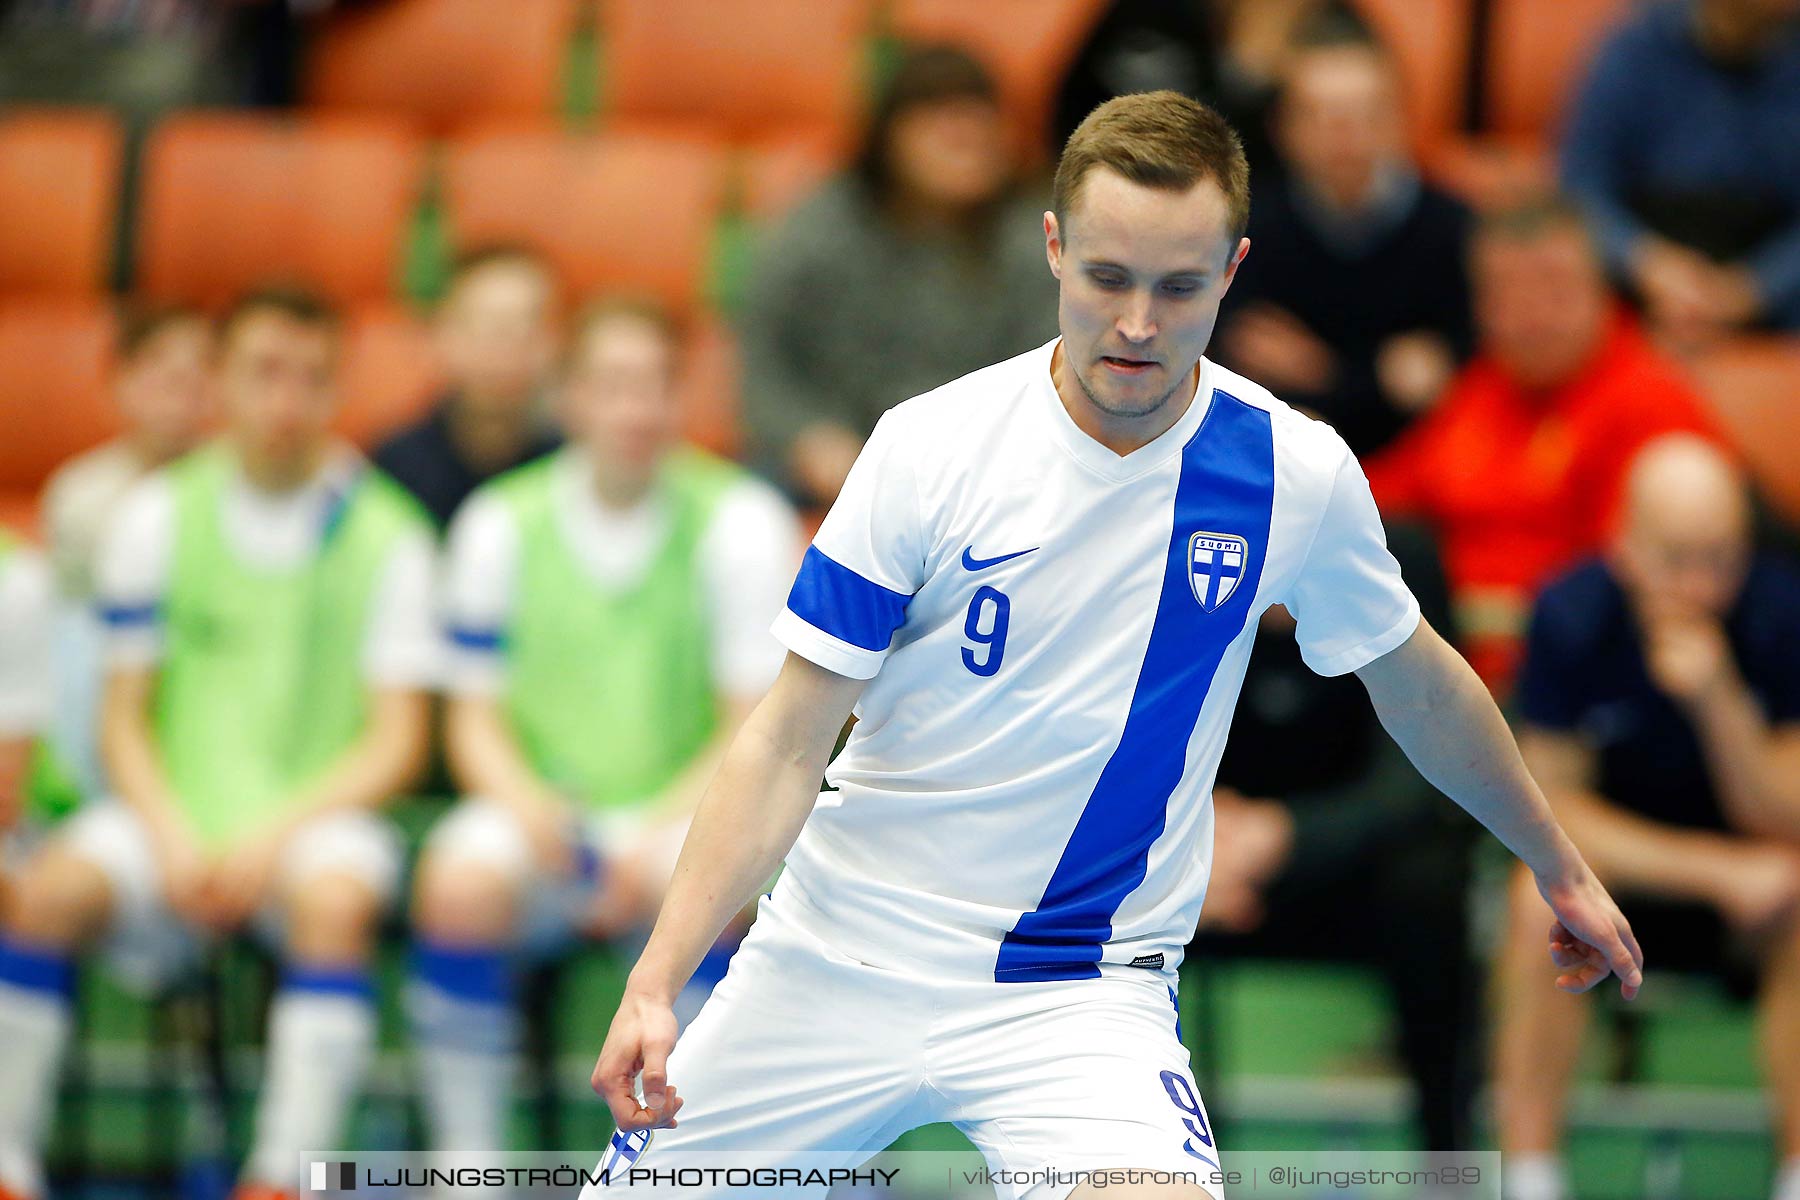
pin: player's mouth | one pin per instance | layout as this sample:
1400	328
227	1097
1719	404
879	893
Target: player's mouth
1127	366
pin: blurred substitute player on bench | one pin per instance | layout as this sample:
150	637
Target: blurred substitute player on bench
27	606
270	640
1661	709
1038	591
609	611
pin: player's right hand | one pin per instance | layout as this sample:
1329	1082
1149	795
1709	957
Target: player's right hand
641	1037
1590	938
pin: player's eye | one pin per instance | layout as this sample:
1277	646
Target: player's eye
1180	289
1107	280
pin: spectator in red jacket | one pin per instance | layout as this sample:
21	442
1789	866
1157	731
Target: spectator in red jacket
1520	465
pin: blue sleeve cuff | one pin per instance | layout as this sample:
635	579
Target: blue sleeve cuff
836	600
126	616
490	641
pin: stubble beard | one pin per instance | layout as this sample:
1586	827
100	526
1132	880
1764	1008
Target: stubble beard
1127	413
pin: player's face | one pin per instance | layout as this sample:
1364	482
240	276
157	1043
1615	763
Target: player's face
165	390
278	380
496	335
619	400
1142	271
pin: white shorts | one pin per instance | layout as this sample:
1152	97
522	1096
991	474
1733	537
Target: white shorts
804	1050
480	831
147	945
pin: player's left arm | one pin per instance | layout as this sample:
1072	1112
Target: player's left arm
748	554
1441	714
401	664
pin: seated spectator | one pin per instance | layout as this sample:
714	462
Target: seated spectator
923	263
1306	867
1519	466
160	385
1355	301
497	339
1680	144
1660	703
270	636
25	608
609	611
1227	53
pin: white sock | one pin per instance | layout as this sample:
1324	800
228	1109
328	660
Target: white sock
321	1038
34	1029
1533	1177
1787	1181
465	1029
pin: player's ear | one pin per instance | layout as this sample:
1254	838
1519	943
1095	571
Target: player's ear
1237	257
1053	243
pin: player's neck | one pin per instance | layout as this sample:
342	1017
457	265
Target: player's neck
1119	433
277	475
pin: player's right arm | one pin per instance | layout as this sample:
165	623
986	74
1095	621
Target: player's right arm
484	752
131	581
746	823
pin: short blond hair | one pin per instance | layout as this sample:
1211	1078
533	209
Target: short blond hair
1161	140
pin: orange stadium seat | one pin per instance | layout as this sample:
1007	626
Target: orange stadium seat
232	202
780	174
1754	386
1430	38
390	372
1027	44
781	64
443	62
709	388
623	211
1537	54
55	361
59	184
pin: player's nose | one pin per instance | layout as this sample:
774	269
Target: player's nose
1137	321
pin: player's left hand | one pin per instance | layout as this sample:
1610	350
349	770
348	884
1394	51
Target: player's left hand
1590	938
639	1042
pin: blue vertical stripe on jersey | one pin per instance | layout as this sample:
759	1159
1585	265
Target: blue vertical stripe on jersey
830	596
1227	486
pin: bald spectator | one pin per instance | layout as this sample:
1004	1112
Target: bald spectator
923	262
1660	703
1681	145
1355	301
497	337
1519	467
160	386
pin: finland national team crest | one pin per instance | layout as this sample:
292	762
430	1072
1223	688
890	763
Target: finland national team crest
623	1152
1215	565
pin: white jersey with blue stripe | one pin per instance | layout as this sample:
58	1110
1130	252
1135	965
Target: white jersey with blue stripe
1055	637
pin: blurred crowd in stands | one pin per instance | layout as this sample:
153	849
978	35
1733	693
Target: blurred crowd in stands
1538	263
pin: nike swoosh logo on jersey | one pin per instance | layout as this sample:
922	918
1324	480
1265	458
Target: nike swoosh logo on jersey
971	563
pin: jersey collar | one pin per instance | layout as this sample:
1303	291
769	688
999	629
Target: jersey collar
1097	458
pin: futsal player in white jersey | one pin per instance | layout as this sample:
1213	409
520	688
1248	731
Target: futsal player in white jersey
1037	592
